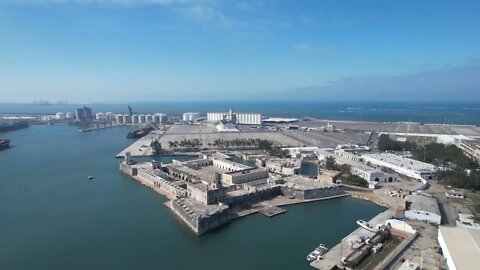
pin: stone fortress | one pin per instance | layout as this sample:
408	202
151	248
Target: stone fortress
212	190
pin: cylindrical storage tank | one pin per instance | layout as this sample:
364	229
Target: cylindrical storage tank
141	119
156	119
60	115
119	118
100	116
69	115
126	119
134	119
148	118
163	117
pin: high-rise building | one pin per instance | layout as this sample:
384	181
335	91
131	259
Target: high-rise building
79	114
84	113
88	113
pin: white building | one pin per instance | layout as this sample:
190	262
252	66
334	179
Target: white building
109	115
371	175
237	118
119	119
225	126
60	115
460	247
471	149
249	119
366	172
69	115
191	116
423	208
407	166
100	116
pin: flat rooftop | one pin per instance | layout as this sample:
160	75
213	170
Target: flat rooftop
303	183
195	208
285	162
463	246
205	174
403	162
424	203
245	171
344	160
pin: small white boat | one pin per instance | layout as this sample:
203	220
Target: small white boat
313	255
318	253
367	226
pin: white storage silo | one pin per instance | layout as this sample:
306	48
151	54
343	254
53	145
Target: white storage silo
134	119
148	118
126	119
141	119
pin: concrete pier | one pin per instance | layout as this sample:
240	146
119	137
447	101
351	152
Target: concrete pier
272	211
141	147
335	254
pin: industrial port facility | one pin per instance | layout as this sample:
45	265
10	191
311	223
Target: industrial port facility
241	163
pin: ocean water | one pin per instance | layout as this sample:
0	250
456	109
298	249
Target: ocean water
52	217
425	112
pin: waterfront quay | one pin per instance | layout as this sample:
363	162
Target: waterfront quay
210	191
334	256
213	189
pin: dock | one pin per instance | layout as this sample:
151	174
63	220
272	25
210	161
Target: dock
342	249
141	147
272	211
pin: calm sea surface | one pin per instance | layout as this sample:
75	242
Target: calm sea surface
426	112
52	217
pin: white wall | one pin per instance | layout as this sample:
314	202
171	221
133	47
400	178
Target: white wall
423	216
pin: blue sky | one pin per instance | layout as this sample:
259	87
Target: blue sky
147	50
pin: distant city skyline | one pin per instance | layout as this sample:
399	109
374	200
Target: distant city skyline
170	50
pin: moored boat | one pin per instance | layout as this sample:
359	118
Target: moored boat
139	133
4	144
318	253
367	226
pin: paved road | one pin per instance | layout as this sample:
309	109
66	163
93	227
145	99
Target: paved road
449	214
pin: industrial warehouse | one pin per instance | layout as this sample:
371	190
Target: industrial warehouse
237	118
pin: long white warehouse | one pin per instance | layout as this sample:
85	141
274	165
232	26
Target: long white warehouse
460	247
407	166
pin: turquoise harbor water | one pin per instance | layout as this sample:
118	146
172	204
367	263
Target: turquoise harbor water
52	217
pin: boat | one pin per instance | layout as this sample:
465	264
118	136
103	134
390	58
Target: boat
367	226
4	144
317	253
139	133
90	177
